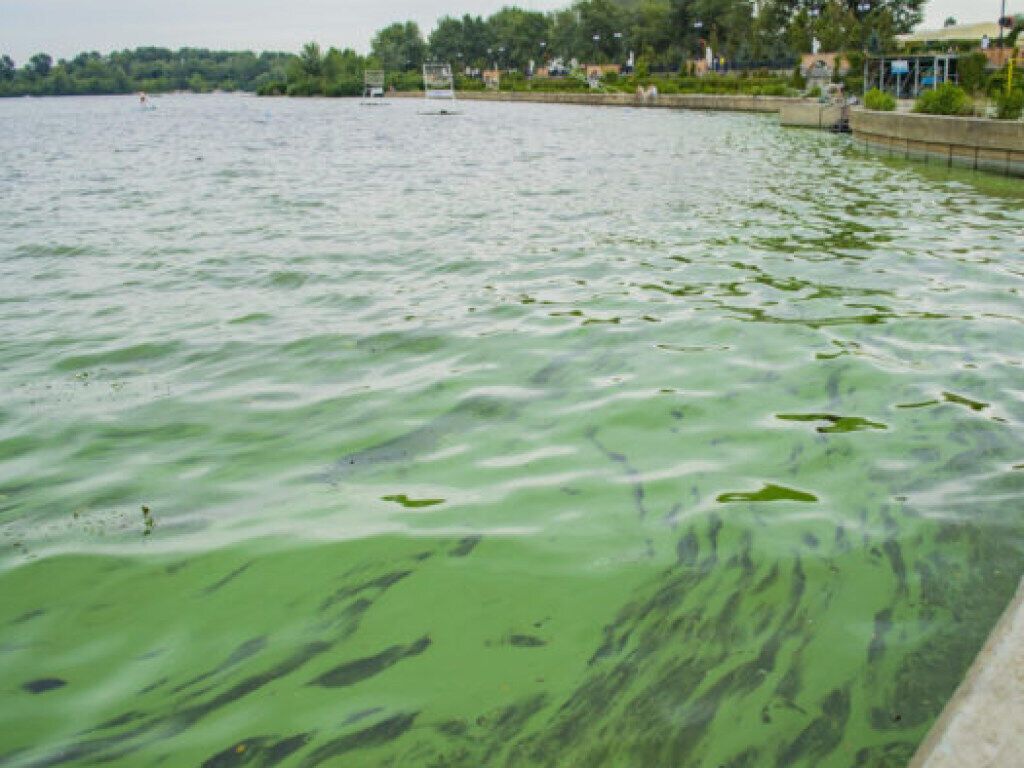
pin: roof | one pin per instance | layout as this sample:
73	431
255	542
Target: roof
956	32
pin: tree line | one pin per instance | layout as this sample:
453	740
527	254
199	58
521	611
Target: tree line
663	33
148	69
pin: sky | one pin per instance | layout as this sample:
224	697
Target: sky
66	27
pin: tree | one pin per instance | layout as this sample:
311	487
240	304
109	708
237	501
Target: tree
520	34
399	47
311	60
7	68
41	64
461	41
949	22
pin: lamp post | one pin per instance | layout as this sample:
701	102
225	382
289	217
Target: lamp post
815	12
1002	15
864	7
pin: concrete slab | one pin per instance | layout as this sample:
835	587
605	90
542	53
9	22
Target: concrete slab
983	724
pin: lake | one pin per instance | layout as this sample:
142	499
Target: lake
533	435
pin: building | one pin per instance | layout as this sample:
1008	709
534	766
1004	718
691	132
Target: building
958	33
906	76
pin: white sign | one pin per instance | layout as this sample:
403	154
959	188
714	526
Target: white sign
901	67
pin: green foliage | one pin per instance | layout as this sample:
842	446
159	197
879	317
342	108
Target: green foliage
880	101
815	92
797	80
853	84
1010	106
973	76
463	83
559	85
399	47
155	70
947	99
512	81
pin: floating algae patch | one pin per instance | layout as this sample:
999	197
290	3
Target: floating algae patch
769	492
835	424
405	501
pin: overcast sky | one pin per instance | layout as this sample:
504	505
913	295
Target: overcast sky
66	27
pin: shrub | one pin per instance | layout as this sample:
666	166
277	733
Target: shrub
272	88
814	93
853	84
512	81
1009	106
947	99
463	83
972	72
798	80
558	84
344	86
879	101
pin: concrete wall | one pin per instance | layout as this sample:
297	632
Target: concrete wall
810	114
989	145
739	103
981	725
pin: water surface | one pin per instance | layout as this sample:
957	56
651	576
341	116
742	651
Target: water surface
535	435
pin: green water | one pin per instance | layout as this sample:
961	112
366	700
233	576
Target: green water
528	436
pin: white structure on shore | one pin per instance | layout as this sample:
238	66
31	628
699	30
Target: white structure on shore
438	81
373	83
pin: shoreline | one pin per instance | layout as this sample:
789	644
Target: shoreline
697	101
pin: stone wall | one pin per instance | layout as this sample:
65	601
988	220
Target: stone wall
716	102
989	145
811	114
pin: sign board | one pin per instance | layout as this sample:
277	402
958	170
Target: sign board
901	67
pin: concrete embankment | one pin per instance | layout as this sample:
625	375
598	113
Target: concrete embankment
981	724
987	145
715	102
810	114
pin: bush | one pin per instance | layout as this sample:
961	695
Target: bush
814	93
798	80
972	72
512	81
558	84
1009	106
947	99
463	83
272	88
345	86
879	101
853	84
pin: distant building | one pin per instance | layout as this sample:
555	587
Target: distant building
967	33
